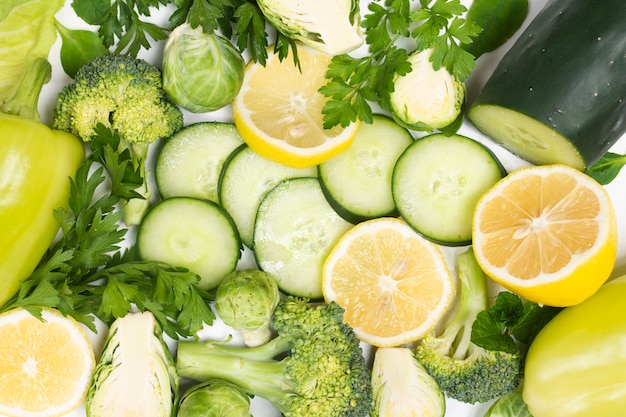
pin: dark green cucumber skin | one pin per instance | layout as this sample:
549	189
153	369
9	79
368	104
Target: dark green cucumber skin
499	20
568	71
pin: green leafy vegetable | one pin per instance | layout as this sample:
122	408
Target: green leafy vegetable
508	321
122	23
27	33
509	405
86	273
240	21
78	47
607	167
441	27
356	81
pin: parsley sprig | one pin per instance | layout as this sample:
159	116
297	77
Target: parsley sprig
87	274
123	24
389	25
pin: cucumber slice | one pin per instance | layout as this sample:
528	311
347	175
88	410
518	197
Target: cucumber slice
294	231
437	182
357	182
192	233
246	178
190	162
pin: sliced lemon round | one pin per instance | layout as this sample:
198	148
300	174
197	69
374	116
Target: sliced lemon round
278	110
547	233
393	284
46	364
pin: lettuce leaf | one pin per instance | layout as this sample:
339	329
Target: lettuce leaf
27	32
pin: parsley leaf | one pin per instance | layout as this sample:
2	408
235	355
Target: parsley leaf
510	322
123	23
607	168
87	275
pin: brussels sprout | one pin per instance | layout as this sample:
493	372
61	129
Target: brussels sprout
509	405
135	375
425	98
214	398
201	72
245	300
403	387
330	26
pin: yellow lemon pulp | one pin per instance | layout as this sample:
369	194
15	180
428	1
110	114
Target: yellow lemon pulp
278	110
547	233
393	284
46	364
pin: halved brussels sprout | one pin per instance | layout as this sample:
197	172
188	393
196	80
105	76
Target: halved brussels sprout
202	72
403	387
135	375
330	26
425	98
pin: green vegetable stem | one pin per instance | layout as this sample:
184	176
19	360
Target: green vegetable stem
464	370
314	367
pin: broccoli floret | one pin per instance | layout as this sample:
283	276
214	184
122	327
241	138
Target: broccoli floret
313	367
125	94
463	370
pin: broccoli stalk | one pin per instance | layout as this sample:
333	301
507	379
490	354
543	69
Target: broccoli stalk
135	208
463	370
25	101
314	367
125	94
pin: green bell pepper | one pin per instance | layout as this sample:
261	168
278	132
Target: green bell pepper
576	366
36	163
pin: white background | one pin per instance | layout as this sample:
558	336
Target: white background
485	66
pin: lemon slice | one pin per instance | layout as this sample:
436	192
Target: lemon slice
278	110
393	284
547	233
46	364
